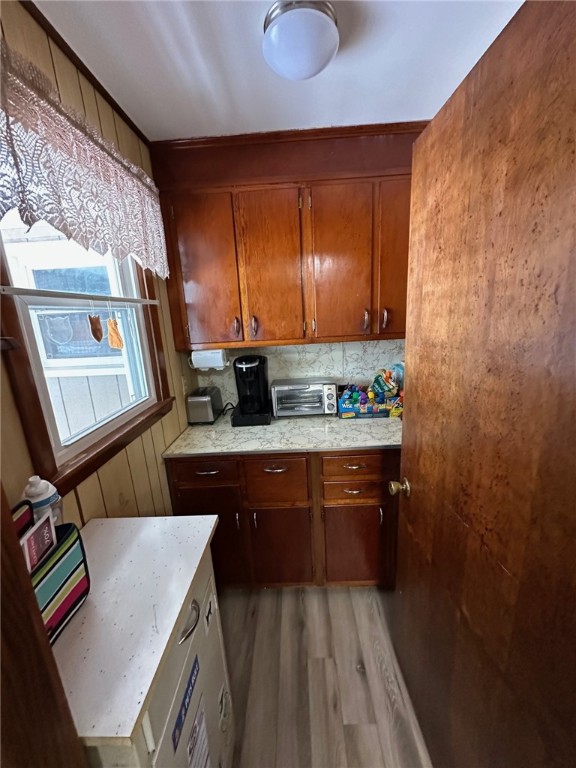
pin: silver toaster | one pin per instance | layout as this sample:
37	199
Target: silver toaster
204	405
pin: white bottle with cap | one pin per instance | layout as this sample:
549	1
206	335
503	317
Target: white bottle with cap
43	497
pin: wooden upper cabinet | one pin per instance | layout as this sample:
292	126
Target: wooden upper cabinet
341	233
394	231
270	263
209	291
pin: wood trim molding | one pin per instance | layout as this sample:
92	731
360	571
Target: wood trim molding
39	17
69	476
295	157
309	134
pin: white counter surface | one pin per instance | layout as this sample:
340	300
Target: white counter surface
141	570
313	433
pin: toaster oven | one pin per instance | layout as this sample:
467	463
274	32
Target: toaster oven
303	397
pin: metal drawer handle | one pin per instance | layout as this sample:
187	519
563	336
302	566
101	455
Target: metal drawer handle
381	516
384	318
237	521
366	319
237	326
355	466
254	325
255	520
276	470
354	491
209	472
195	609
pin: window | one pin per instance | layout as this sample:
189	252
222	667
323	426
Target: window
90	358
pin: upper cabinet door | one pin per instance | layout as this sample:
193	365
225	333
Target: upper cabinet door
393	248
204	235
270	263
341	245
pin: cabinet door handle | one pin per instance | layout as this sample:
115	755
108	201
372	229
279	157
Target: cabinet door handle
381	516
237	326
255	520
187	631
314	324
276	470
208	472
254	325
237	521
353	491
366	319
384	319
355	466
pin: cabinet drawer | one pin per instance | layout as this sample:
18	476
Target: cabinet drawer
175	658
207	472
276	480
354	465
355	491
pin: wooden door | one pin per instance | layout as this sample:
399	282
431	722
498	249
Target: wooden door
37	727
206	279
268	236
360	543
393	237
484	620
281	545
341	245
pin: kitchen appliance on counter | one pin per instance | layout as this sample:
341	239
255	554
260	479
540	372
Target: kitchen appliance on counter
303	397
204	405
253	409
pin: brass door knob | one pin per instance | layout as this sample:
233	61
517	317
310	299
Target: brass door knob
395	487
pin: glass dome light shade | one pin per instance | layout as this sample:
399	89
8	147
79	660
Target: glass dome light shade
300	42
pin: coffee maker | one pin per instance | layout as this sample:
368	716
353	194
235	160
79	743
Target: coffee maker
251	373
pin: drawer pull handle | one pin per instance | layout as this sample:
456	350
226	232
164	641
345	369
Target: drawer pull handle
209	472
366	319
355	466
255	520
276	470
237	521
384	319
237	327
381	516
187	631
354	491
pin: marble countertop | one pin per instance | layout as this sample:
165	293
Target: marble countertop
313	433
141	570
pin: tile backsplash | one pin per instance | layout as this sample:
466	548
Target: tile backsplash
355	361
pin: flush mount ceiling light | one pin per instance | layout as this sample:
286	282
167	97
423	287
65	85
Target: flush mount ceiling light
300	38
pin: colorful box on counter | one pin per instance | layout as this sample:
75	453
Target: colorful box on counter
383	398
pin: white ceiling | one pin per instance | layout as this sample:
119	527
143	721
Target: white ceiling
185	69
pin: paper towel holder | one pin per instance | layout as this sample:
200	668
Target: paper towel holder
204	359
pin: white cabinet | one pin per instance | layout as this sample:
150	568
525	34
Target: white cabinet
143	661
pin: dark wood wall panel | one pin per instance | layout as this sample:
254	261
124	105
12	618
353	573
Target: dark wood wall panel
37	727
292	156
484	618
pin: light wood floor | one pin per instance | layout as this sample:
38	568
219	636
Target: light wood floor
315	682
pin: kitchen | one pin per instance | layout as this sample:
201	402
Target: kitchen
449	635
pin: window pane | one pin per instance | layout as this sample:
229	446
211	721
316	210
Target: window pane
90	357
89	382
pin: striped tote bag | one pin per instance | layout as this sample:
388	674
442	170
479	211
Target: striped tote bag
61	581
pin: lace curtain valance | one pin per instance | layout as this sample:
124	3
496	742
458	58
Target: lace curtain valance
54	166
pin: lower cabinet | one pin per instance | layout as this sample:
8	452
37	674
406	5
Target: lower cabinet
360	542
282	546
295	518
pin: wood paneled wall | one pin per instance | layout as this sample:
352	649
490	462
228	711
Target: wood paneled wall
484	617
134	481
